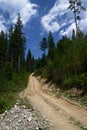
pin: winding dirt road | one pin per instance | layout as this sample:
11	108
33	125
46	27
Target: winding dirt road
62	114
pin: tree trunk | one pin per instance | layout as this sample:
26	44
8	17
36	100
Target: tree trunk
12	60
0	65
44	52
76	22
19	64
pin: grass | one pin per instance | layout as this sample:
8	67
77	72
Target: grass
75	97
77	123
10	89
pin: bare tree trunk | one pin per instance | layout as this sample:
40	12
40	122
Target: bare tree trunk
76	22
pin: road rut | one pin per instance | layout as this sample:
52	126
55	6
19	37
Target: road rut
62	114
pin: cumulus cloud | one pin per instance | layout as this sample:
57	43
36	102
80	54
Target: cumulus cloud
50	21
26	9
59	18
83	24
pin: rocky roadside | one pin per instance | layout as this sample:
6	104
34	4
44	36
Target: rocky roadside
22	118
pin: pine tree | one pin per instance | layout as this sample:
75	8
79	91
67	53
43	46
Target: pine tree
3	49
29	57
18	43
51	46
30	62
44	45
11	46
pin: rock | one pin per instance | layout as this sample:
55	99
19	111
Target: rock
15	106
17	103
37	128
30	118
25	116
24	106
19	121
12	111
16	116
33	108
19	118
85	128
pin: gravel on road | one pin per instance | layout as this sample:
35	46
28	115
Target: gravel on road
22	118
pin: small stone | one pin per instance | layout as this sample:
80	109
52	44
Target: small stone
25	116
16	116
3	114
3	124
85	127
24	106
33	108
37	128
12	111
29	119
19	121
7	120
15	106
6	111
6	127
17	103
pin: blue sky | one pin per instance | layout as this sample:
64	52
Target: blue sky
39	17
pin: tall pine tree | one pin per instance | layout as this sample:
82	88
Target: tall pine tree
44	45
17	44
3	50
30	62
51	46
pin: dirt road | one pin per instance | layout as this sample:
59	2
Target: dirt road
62	114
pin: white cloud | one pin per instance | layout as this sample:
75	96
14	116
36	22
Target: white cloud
68	31
59	18
50	21
83	24
26	9
2	22
28	12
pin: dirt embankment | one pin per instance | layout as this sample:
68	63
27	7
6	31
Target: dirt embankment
62	114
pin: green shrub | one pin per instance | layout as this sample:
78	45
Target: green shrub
5	104
81	83
9	89
68	83
8	70
81	80
78	81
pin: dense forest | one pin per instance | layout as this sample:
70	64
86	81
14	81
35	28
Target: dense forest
64	63
12	50
13	66
12	47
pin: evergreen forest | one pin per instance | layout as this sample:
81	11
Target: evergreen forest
63	63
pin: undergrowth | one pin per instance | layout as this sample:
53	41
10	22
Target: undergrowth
9	89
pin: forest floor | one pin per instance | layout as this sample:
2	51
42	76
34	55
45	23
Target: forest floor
62	114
